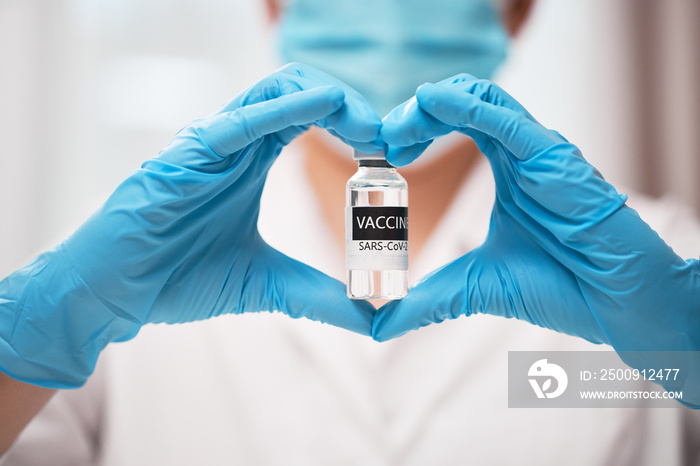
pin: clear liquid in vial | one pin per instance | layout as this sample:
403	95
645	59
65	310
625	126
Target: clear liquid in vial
377	232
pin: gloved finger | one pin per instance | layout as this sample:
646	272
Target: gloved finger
229	132
487	91
408	131
314	75
225	134
355	120
366	147
485	143
432	300
291	78
299	290
504	277
518	133
401	156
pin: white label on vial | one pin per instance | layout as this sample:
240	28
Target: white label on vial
376	238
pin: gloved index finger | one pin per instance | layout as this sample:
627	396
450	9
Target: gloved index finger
355	121
299	290
487	91
459	109
229	132
314	75
409	130
409	124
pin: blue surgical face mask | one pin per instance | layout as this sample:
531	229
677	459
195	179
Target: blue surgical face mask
385	49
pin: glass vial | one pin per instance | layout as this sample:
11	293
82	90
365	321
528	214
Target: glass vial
376	230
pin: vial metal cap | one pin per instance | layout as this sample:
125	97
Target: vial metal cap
357	155
377	159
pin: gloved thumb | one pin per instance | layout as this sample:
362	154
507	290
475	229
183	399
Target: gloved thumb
299	290
437	297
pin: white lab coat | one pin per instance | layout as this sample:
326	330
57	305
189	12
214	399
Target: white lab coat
263	389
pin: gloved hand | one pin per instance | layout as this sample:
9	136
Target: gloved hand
563	250
178	240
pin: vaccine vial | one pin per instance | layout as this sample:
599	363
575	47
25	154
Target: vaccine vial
376	230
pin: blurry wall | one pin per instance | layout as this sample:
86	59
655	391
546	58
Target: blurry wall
621	79
90	89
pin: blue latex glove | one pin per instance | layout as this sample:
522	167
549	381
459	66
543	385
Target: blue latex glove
178	240
563	250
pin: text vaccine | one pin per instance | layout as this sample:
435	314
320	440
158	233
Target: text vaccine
376	230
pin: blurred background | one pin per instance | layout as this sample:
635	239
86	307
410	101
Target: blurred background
90	89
